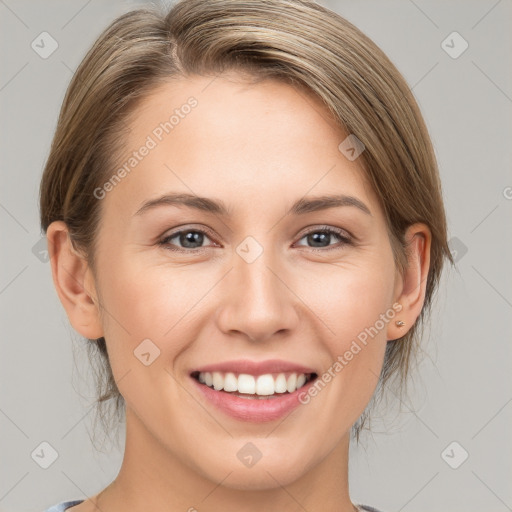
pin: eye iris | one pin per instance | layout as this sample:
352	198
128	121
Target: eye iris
191	237
188	239
319	237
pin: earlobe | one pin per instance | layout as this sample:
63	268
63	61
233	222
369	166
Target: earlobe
412	285
71	273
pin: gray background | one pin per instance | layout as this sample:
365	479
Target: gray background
462	388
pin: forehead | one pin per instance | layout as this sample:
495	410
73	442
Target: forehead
226	137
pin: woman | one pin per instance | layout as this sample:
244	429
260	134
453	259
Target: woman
245	217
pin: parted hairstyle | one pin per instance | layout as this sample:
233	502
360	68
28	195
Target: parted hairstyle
298	42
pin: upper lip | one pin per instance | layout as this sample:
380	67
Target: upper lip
255	367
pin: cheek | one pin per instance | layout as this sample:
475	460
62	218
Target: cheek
148	300
349	298
145	318
145	310
167	305
353	309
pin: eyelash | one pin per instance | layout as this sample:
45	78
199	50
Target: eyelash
344	240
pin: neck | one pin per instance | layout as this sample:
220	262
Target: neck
153	478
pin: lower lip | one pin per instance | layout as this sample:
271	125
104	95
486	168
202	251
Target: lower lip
253	409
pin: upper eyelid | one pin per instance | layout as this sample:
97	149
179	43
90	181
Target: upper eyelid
184	230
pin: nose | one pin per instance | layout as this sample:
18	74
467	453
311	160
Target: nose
259	302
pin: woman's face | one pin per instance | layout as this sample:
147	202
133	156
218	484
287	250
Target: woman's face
260	281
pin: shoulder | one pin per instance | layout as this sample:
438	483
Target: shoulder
61	507
367	508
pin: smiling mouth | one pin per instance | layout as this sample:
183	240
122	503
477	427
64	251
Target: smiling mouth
260	387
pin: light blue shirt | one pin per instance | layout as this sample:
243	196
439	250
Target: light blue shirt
60	507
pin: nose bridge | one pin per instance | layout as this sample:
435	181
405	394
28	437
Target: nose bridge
258	282
258	302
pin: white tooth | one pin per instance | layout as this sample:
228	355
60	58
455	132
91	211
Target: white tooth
280	384
291	384
218	381
246	383
230	382
265	385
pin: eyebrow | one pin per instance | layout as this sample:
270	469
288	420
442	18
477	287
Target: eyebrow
218	207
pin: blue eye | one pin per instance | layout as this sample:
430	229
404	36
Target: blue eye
321	236
191	240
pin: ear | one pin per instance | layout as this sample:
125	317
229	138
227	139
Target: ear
411	287
74	282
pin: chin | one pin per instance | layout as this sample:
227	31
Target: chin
263	475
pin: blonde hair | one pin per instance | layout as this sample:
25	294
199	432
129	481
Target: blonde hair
296	41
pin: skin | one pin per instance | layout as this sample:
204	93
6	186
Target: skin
259	148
